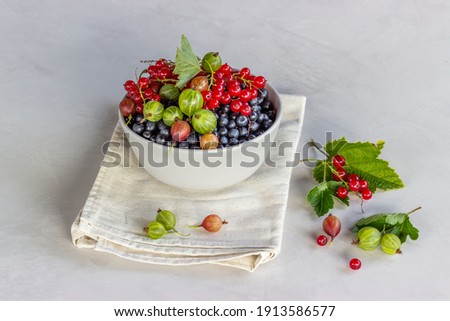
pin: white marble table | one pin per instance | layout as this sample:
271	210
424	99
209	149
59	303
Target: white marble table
370	69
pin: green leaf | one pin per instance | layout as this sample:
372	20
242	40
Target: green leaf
186	63
322	172
321	197
334	147
396	223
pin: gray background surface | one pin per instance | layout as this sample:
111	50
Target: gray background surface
370	69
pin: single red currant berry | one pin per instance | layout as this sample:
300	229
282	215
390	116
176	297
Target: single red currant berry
338	161
342	192
207	95
129	84
140	108
235	105
355	264
152	70
253	93
234	90
216	94
160	63
244	72
341	174
259	82
228	77
245	95
155	97
213	103
366	194
225	68
233	83
353	185
322	240
363	185
148	93
164	73
220	83
218	75
353	177
226	98
245	110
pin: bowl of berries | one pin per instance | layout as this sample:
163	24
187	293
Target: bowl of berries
199	124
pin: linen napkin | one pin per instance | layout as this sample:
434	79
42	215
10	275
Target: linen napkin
123	200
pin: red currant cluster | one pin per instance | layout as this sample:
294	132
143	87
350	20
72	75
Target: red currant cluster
352	181
233	87
147	87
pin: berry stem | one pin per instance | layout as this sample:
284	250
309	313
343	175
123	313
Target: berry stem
414	210
314	144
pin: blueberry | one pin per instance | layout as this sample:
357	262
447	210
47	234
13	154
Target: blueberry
223	113
241	121
138	128
262	118
253	102
147	134
259	100
223	131
223	140
223	121
242	140
234	116
192	138
243	132
267	123
226	108
164	132
231	124
153	138
160	139
233	141
251	136
183	145
243	86
259	132
263	93
253	116
271	114
216	114
150	126
233	133
254	126
266	105
168	144
256	108
138	118
161	125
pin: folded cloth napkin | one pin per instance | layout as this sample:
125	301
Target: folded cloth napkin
123	200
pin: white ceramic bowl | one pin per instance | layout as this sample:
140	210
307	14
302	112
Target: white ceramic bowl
197	169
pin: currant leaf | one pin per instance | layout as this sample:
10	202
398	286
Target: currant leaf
322	196
186	63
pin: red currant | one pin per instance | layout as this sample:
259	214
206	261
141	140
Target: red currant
235	105
244	72
225	68
226	98
338	161
245	95
129	84
234	90
218	75
366	194
148	93
207	95
341	174
213	103
233	83
322	240
143	82
228	77
355	264
152	70
164	73
363	185
342	192
140	108
353	177
353	185
160	63
259	82
245	110
216	94
253	93
219	83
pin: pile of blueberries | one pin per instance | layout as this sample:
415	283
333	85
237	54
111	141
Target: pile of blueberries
232	128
